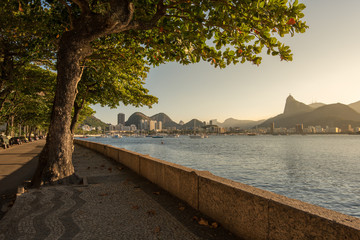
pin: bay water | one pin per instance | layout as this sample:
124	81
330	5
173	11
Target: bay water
319	169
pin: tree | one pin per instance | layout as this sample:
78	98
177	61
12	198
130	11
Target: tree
30	100
166	30
22	42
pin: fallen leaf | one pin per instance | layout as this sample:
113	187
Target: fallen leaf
157	229
103	194
120	168
214	225
181	208
203	222
195	218
156	193
136	207
151	213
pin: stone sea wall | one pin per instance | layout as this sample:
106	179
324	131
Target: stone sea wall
249	212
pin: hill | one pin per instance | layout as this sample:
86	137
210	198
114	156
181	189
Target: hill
235	123
166	120
136	118
317	105
355	106
332	115
194	123
94	122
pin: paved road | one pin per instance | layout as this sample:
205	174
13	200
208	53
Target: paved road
18	164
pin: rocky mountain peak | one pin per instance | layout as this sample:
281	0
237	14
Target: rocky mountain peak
293	106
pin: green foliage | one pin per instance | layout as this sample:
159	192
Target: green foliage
30	100
220	32
26	90
115	73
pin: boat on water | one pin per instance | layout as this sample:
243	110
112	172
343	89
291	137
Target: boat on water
252	134
117	136
157	136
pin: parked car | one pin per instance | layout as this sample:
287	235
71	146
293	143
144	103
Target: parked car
15	140
4	142
24	139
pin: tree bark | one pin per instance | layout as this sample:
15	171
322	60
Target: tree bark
75	118
55	161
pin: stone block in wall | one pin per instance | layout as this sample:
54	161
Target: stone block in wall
294	219
240	208
152	169
129	159
113	153
181	182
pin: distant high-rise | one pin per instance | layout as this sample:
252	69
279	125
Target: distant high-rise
121	118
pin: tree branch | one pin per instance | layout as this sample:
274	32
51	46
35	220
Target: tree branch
145	25
70	13
84	6
121	15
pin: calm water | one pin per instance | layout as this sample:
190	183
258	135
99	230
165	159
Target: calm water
319	169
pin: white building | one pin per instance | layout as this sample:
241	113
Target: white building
152	125
159	126
144	125
86	128
133	128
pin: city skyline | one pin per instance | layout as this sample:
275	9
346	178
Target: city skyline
324	69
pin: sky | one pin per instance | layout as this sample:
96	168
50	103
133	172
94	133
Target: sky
325	68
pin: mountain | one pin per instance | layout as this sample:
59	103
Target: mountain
193	123
293	107
316	105
332	115
94	122
166	120
243	124
136	118
355	106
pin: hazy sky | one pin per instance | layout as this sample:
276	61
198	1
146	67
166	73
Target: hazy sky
326	68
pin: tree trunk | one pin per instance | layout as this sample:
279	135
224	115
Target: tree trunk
30	132
55	161
77	109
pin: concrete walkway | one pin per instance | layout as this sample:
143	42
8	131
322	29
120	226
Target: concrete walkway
114	203
18	164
